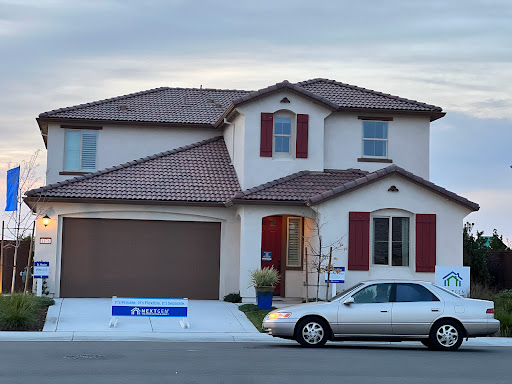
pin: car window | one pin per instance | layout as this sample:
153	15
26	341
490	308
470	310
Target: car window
376	293
345	291
406	293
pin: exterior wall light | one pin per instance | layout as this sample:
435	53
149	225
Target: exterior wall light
46	220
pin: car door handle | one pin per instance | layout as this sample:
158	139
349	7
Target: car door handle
384	310
435	309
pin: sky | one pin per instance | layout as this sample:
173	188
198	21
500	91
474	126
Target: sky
456	54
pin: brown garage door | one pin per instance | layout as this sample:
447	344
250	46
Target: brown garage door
136	258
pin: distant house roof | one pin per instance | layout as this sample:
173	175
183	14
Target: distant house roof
207	106
197	173
312	188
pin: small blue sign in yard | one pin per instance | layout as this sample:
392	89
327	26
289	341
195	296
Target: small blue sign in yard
337	275
41	269
130	306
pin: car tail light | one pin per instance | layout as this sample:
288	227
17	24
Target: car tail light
490	310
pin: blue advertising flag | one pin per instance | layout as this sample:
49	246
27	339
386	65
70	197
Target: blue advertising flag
13	184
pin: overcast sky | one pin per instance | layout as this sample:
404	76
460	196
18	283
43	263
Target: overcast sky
455	54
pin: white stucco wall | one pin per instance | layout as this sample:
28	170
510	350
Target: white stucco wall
234	137
229	257
120	144
257	170
334	215
408	143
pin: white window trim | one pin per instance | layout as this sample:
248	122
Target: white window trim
80	154
367	138
412	232
293	119
287	240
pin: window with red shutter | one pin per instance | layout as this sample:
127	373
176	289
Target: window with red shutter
425	243
267	128
302	136
359	241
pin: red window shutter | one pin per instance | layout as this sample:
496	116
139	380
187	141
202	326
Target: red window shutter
302	136
267	130
359	241
425	243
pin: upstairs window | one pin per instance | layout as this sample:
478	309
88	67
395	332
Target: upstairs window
375	138
80	150
282	134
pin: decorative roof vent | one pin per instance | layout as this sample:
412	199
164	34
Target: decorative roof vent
123	107
393	189
285	100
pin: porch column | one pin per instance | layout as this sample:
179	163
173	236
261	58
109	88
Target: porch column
250	251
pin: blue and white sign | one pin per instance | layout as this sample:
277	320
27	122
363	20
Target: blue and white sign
130	306
41	269
455	279
337	275
266	256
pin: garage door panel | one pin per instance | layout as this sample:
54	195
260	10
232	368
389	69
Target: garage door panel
104	258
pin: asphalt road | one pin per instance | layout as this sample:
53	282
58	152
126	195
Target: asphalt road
167	362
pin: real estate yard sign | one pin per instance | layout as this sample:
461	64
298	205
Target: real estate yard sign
455	279
130	306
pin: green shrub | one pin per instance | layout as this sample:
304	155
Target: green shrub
503	311
45	301
233	298
18	311
482	291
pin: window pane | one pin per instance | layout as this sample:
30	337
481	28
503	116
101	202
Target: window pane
282	126
294	241
282	144
406	293
72	150
381	228
369	148
369	129
381	130
380	148
380	253
377	293
400	238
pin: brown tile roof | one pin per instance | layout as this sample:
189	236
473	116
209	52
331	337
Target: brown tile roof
209	106
160	105
201	172
312	188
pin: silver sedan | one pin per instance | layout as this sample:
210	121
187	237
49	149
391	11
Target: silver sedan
388	310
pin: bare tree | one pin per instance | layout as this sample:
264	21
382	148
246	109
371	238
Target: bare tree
19	221
321	253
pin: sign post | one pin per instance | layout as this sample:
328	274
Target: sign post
41	271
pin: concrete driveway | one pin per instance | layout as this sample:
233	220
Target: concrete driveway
88	319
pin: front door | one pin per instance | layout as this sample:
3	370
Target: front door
271	246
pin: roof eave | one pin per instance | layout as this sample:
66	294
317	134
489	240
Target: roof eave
300	203
119	122
432	114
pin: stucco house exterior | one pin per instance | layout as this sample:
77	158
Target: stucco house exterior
181	192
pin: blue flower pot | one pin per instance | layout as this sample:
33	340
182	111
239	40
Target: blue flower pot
264	299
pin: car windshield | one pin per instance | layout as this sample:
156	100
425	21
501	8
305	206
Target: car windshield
447	291
344	292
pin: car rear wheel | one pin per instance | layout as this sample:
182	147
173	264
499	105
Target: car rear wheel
312	332
446	335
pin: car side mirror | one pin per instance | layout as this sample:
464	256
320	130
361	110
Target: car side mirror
349	301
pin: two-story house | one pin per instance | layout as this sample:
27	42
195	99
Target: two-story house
177	192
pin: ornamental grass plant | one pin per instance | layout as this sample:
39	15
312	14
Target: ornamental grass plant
264	277
20	312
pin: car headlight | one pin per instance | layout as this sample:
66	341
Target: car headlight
279	315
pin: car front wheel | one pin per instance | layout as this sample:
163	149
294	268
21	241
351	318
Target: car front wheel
312	332
446	335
